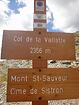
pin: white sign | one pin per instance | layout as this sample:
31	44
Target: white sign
40	16
40	25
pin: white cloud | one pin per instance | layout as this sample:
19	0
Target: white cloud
3	9
20	21
3	17
23	20
66	15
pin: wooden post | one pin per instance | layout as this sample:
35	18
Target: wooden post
40	103
40	25
39	64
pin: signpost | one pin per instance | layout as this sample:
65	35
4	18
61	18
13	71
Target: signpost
31	45
40	84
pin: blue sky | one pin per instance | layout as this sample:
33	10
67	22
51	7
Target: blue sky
14	5
62	15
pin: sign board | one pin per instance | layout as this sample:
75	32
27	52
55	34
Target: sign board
39	5
31	45
40	16
42	84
